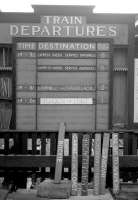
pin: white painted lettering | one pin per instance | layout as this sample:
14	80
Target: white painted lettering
56	30
25	30
56	20
14	30
45	31
101	31
112	31
35	29
77	20
79	31
46	19
90	31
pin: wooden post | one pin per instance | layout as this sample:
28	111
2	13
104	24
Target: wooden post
74	167
115	158
97	163
105	149
85	164
4	58
59	158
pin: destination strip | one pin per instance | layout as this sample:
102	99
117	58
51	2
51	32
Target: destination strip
42	68
62	88
42	88
67	55
65	101
47	54
58	54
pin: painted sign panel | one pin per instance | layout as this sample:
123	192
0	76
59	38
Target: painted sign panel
74	164
66	101
136	91
104	161
64	26
59	158
97	163
85	164
115	161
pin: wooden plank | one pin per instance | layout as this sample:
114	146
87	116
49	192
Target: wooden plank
65	78
104	160
126	162
97	163
115	161
59	159
60	61
77	117
85	164
74	164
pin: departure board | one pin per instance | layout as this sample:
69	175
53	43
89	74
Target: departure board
62	81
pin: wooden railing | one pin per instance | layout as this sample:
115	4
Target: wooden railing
34	152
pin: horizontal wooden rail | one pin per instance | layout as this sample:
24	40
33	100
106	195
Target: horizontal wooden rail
126	161
117	130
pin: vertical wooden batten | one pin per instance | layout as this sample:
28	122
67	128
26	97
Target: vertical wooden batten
131	44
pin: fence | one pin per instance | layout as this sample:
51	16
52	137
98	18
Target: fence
34	152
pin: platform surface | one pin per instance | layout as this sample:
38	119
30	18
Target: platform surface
27	195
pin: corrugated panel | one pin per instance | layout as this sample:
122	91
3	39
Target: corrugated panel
120	102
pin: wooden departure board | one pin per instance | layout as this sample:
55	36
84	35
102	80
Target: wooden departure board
62	81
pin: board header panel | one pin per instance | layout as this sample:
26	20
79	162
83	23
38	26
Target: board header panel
64	26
